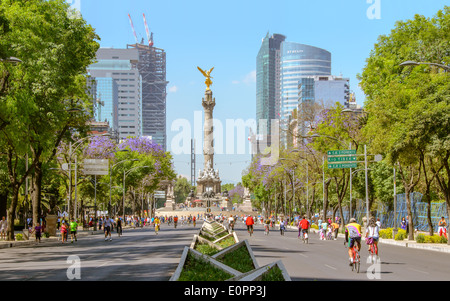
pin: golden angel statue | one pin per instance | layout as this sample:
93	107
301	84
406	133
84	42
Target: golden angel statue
208	76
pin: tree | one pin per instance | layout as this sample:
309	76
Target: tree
409	109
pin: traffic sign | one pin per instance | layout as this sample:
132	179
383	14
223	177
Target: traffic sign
96	167
341	152
340	159
342	165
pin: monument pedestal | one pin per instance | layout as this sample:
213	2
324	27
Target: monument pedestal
51	224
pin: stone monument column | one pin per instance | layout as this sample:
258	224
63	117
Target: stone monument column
208	104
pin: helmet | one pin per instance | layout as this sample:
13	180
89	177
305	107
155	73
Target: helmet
352	220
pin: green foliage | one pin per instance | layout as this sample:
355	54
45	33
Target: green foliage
386	233
436	239
401	234
206	249
239	260
274	274
199	270
19	237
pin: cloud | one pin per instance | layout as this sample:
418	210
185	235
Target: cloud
248	79
173	89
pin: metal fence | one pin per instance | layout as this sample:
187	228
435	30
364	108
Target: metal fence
418	209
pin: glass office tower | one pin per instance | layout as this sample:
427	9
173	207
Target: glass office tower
299	61
268	92
107	101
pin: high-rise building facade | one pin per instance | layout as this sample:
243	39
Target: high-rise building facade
107	101
152	69
121	66
268	92
299	61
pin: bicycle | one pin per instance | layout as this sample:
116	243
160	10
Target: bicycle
305	237
250	229
373	251
356	258
266	230
156	229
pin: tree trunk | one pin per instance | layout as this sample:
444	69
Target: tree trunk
325	199
36	194
12	213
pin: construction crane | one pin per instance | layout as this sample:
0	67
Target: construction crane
149	37
132	27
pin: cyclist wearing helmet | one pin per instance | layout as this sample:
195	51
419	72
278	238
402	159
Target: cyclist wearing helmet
352	235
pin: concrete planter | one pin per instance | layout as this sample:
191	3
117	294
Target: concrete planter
255	274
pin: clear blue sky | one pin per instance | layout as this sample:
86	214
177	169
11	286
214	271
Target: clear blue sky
227	35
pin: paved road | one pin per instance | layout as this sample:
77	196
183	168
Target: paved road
139	255
328	260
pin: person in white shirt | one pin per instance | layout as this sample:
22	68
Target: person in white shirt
3	227
373	231
108	222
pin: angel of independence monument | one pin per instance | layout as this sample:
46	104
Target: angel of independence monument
208	181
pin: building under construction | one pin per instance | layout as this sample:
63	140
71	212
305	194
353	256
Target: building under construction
152	69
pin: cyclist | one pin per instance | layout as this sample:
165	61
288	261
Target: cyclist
175	221
230	223
194	220
157	223
352	236
303	226
373	232
249	222
267	224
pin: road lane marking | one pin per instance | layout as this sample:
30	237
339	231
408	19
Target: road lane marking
303	255
104	264
419	271
329	266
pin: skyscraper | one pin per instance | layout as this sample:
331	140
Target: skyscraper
298	61
121	66
107	101
152	69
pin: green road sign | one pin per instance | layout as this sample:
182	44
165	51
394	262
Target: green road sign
342	152
341	159
342	165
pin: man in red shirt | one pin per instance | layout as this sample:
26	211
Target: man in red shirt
249	222
303	226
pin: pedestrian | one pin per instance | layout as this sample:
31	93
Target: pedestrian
404	224
442	227
73	230
107	226
37	231
64	231
3	227
282	227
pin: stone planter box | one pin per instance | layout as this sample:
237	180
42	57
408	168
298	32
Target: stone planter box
256	274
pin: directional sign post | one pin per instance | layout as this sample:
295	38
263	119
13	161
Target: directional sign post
342	158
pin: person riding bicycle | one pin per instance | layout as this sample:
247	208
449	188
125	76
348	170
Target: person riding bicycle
249	222
231	223
303	226
157	223
267	223
373	232
352	236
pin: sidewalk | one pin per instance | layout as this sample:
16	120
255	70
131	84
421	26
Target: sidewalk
52	239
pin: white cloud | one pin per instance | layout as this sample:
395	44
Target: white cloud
173	89
249	78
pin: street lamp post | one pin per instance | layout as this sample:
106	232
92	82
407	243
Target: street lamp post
71	152
125	174
110	178
412	63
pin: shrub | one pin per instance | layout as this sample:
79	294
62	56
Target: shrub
199	270
386	233
420	238
239	260
46	235
401	234
19	237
